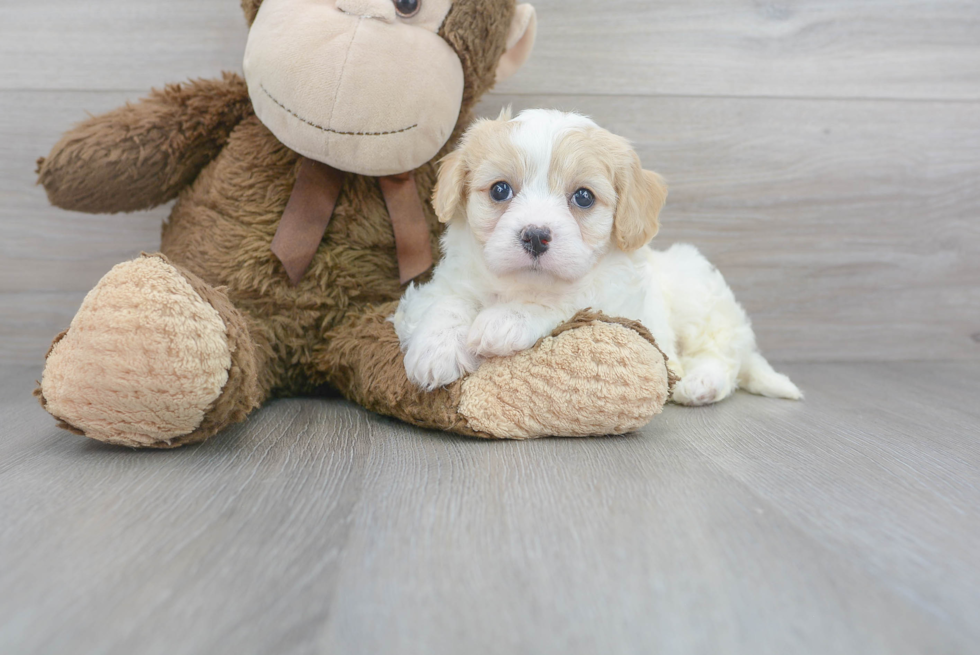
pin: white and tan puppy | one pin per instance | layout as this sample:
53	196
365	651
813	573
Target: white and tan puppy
549	214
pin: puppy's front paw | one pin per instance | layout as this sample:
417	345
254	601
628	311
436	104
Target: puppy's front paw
501	332
438	360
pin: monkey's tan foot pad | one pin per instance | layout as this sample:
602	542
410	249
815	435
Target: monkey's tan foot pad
593	376
144	361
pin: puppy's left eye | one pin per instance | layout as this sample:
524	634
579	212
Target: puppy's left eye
583	198
501	192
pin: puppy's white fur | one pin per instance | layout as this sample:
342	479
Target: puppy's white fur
491	297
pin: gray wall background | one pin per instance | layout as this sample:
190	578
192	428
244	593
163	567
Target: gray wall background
825	154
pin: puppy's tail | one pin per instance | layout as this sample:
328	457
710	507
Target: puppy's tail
757	376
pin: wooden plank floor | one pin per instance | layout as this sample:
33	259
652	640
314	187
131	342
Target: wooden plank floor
847	523
821	152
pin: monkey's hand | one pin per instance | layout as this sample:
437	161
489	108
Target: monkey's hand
142	154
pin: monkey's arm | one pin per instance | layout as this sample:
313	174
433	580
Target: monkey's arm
594	375
141	155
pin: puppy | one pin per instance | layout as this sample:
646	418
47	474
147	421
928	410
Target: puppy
548	214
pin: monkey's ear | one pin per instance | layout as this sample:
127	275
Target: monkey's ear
449	197
642	195
251	8
520	41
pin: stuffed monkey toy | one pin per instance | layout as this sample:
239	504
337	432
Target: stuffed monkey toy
302	208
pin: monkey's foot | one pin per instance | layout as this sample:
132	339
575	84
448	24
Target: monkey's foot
593	376
154	358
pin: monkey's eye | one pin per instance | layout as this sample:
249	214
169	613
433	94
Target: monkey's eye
583	198
407	8
501	192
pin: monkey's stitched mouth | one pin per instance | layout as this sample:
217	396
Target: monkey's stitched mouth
327	129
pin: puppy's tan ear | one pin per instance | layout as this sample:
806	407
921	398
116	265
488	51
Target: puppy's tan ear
642	195
449	197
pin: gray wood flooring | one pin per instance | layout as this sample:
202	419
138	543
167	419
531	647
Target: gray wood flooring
847	523
823	153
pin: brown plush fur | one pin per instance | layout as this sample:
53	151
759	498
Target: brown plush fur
241	393
142	155
202	143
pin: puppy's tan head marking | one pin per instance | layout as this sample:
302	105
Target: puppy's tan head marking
607	165
483	158
449	196
640	194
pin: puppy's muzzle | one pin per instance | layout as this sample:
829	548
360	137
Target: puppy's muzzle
535	240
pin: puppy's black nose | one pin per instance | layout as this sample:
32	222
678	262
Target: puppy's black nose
536	239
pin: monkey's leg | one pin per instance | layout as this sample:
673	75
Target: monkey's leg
154	358
593	376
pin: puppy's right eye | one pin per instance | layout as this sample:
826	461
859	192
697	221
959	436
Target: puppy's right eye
501	192
583	199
